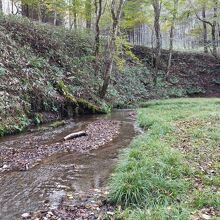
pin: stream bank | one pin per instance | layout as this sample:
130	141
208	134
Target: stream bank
57	179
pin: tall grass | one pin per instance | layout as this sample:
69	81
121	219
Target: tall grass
155	179
150	173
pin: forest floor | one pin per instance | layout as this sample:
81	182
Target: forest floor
172	171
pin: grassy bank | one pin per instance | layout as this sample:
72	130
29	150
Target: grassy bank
172	171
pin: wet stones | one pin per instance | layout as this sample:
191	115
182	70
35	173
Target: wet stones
89	205
25	215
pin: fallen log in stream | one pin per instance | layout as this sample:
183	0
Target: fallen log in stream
75	135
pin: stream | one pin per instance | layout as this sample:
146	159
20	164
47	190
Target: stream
54	177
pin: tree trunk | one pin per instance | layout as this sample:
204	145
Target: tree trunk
213	26
75	20
116	15
152	47
170	49
157	38
109	60
88	8
175	8
107	76
214	46
12	7
55	18
157	9
24	9
98	10
39	12
205	32
0	5
74	6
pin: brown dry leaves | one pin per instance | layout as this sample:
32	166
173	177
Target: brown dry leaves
203	156
194	141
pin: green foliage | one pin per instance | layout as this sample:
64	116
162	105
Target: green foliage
206	198
38	118
217	81
195	90
123	52
57	124
86	105
22	123
176	212
105	108
176	93
38	62
125	92
81	103
63	89
134	13
2	71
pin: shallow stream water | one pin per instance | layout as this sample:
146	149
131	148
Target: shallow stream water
48	182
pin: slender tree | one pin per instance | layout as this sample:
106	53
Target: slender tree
88	12
98	11
212	24
205	31
25	9
172	27
116	11
39	10
0	5
157	10
214	27
74	3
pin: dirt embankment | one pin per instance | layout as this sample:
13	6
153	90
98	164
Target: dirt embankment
197	74
44	74
98	134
